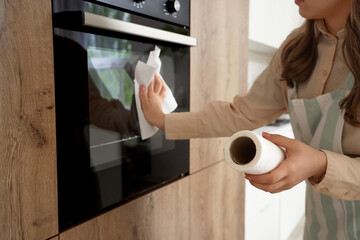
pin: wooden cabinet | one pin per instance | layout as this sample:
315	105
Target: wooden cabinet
218	64
162	214
217	203
28	188
208	204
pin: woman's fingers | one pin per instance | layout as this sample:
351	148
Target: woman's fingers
279	140
276	181
150	88
284	169
159	87
159	84
274	187
163	92
152	100
144	97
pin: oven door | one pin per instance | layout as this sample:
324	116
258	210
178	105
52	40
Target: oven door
102	161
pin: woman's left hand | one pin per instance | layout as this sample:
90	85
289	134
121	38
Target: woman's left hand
301	162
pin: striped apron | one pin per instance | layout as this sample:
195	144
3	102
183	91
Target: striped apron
319	122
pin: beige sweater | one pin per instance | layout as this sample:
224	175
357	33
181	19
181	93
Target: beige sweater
267	100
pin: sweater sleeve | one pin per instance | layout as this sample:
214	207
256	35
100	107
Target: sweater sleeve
342	178
264	103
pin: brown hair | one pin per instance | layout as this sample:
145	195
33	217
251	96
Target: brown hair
300	55
351	51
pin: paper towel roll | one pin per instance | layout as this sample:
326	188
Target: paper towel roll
248	152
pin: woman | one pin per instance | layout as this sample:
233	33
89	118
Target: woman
315	77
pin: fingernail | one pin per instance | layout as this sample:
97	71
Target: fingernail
142	88
266	135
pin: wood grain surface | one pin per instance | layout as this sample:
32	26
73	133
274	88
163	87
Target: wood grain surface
206	205
162	214
217	196
218	64
28	188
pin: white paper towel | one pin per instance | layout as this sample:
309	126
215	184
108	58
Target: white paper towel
248	152
144	74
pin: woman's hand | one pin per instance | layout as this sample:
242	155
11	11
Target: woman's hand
301	162
152	100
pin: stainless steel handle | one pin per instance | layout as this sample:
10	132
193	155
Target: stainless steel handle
93	20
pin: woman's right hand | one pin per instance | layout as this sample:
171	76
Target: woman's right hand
152	100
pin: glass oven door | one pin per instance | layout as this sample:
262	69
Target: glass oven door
102	161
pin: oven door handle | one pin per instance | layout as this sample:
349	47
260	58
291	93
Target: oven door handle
76	18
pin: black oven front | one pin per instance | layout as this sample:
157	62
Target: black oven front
102	161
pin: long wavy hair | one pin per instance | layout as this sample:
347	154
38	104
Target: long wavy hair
300	55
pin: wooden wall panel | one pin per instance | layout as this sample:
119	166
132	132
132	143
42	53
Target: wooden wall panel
28	194
162	214
218	72
218	64
217	196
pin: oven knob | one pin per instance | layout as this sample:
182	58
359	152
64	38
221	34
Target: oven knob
173	6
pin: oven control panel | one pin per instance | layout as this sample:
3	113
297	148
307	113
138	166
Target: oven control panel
174	11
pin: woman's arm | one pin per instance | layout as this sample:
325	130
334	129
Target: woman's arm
264	103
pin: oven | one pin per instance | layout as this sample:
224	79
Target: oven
102	160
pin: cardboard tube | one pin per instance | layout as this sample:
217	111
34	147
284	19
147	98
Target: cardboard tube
248	152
